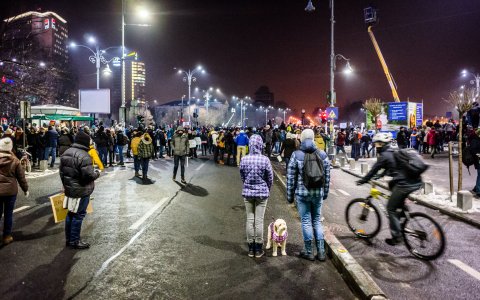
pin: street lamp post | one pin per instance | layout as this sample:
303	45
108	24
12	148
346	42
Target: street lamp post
303	117
476	81
123	110
284	114
189	77
311	8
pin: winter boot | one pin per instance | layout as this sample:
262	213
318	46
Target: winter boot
251	249
320	250
259	250
307	252
7	239
137	174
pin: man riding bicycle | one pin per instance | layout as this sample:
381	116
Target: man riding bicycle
400	185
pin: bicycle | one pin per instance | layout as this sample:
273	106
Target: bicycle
25	160
419	230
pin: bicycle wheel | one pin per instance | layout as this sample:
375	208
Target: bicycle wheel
363	218
423	236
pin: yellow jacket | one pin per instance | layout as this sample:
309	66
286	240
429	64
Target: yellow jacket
96	160
134	145
320	143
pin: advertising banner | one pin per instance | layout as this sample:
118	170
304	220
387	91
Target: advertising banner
397	111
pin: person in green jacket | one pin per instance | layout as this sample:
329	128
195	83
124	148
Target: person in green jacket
145	151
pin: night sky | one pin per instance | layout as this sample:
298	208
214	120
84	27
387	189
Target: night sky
248	43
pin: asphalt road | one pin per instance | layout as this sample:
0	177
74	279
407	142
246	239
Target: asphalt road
396	271
159	241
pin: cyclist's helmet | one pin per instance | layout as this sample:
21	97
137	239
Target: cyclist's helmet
382	137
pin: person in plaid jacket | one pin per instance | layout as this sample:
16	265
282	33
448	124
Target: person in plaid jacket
309	201
257	177
145	151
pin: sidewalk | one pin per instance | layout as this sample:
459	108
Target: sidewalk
440	198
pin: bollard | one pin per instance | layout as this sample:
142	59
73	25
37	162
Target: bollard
364	167
352	164
427	187
342	161
333	161
43	165
464	200
331	150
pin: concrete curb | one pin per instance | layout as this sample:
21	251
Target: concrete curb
352	272
452	214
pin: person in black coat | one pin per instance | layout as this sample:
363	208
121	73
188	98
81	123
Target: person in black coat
78	176
64	142
101	141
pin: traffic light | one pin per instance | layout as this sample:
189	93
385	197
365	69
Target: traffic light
324	117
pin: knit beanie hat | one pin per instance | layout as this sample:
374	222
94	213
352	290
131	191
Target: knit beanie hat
82	139
6	145
307	134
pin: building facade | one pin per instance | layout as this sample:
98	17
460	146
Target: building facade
35	35
135	81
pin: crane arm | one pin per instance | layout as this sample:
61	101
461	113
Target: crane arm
384	65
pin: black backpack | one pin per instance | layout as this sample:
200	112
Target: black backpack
467	158
313	171
410	162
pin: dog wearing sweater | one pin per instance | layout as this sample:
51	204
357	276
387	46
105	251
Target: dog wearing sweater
277	236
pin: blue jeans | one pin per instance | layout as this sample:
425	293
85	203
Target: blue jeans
310	211
7	203
277	147
136	163
162	148
145	166
120	153
73	222
341	149
50	151
102	152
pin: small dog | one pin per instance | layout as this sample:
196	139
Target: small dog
277	236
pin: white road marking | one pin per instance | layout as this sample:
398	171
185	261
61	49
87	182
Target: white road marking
343	192
197	169
21	208
108	261
148	214
467	269
333	193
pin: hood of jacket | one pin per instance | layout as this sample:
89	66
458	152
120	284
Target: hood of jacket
308	146
146	139
5	159
255	144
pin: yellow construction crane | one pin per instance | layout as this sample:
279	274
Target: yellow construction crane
371	18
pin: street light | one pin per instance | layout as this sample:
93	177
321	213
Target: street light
189	77
97	57
303	117
333	97
284	114
476	81
142	13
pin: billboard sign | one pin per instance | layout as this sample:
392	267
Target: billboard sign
94	101
397	111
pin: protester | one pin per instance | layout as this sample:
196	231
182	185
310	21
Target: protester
78	176
242	142
340	142
365	142
64	141
145	150
101	143
11	174
110	146
288	147
120	141
51	138
309	201
134	146
432	141
180	151
257	177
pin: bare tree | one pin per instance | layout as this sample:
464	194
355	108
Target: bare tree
462	102
375	107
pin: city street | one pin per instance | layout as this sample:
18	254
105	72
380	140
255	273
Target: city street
159	241
394	269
